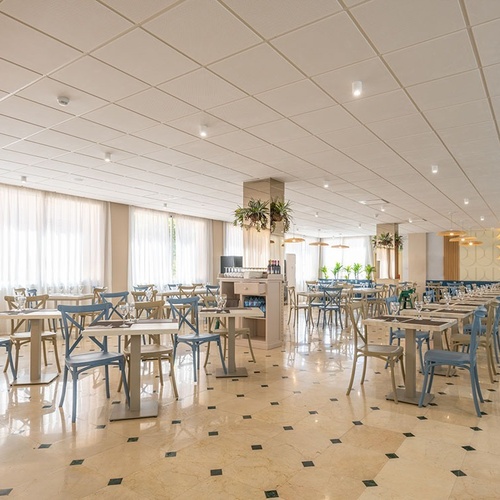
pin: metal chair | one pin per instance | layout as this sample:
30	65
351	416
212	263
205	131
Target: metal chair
7	344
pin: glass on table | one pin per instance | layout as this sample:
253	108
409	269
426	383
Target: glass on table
131	313
418	307
394	310
221	301
19	301
427	300
124	312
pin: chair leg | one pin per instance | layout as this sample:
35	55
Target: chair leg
18	347
56	354
420	355
196	352
393	381
207	355
353	373
160	369
251	348
75	395
364	370
65	381
124	380
106	374
479	393
474	391
172	375
402	365
44	350
424	387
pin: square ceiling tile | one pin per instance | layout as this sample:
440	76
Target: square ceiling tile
394	25
245	113
466	87
324	120
268	19
96	24
85	129
257	69
433	59
47	91
132	144
35	149
30	48
165	135
157	105
15	77
7	139
466	133
278	131
267	154
373	74
81	160
17	128
461	114
203	89
59	140
301	46
348	137
201	149
239	140
414	142
304	145
190	21
488	42
400	126
492	75
99	79
296	98
381	107
120	119
134	53
480	11
171	156
193	124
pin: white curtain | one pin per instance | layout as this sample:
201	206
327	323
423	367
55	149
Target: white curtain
256	249
50	241
233	239
307	262
193	249
150	257
359	251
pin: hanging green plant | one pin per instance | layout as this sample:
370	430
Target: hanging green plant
388	240
280	211
255	214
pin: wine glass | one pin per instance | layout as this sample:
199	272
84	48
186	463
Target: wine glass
80	289
131	313
394	310
149	294
221	301
427	300
418	307
19	301
124	311
447	299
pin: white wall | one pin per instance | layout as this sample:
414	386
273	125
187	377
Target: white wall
435	257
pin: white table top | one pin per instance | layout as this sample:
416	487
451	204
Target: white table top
140	328
232	312
70	296
434	325
31	314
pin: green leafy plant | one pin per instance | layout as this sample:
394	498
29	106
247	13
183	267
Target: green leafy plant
383	240
348	271
356	269
369	270
280	211
255	214
324	271
337	269
398	241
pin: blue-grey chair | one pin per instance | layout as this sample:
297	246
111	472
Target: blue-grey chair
398	334
186	312
330	303
7	344
75	362
467	360
116	299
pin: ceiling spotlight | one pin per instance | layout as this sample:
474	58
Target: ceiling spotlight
410	221
203	131
434	169
382	208
481	218
165	205
24	180
359	226
326	185
357	88
63	100
107	157
316	214
466	201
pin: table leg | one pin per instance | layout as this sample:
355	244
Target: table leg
36	376
232	370
138	408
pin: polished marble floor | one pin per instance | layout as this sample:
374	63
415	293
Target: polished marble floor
287	431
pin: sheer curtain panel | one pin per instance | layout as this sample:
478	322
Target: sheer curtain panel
233	239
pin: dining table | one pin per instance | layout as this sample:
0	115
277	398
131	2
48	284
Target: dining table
139	407
410	325
36	319
77	298
231	313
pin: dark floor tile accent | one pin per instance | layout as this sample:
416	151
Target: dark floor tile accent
374	408
213	433
357	422
170	454
257	371
256	447
317	383
210	388
422	417
432	404
297	392
487	401
100	427
115	402
408	434
43	446
271	494
335	441
391	455
274	403
275	365
492	390
458	473
308	463
476	428
115	481
247	417
6	491
468	448
264	385
284	376
211	407
46	407
176	422
77	462
483	413
333	399
216	472
235	380
313	412
377	373
450	383
369	482
132	440
268	355
240	395
287	428
442	393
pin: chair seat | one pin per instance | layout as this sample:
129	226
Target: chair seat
26	336
151	350
382	350
447	357
92	358
200	337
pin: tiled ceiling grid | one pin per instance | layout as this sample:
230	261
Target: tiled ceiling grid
271	82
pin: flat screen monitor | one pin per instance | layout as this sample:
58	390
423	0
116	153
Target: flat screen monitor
230	261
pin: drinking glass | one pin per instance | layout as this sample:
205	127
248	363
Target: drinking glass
149	294
20	302
394	310
221	301
80	289
131	313
124	311
447	299
427	300
418	307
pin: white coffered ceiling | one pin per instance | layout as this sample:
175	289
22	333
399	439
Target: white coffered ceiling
271	81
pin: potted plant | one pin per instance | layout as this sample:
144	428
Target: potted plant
369	270
383	240
398	241
324	271
280	212
255	214
348	271
356	269
336	270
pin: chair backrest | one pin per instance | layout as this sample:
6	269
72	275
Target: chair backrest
292	297
20	291
388	301
151	310
32	302
186	291
212	289
186	310
332	296
211	295
173	286
31	292
74	317
431	294
311	285
479	313
357	313
97	290
116	299
142	296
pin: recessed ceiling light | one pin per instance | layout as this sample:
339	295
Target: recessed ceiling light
107	157
466	201
316	214
203	131
363	202
410	221
24	180
481	218
326	185
165	205
357	88
63	100
435	169
382	208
